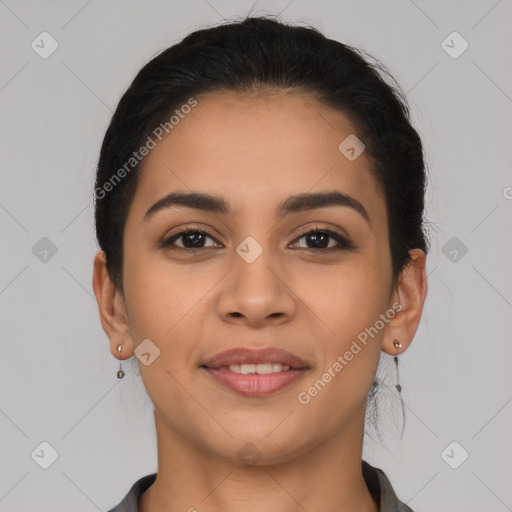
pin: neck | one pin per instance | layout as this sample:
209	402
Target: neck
328	477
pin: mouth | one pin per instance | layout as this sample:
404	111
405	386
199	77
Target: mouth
259	368
252	372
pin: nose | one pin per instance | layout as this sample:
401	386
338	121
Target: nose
257	291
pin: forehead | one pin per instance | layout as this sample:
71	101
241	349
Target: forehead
249	147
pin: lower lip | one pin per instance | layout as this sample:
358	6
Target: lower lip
254	384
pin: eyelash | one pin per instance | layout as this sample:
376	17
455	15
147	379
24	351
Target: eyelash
344	243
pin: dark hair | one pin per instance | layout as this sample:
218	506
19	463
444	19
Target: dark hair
255	55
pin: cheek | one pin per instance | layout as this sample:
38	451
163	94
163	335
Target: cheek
157	296
162	306
348	302
345	298
349	355
168	303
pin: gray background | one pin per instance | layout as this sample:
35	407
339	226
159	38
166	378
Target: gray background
57	377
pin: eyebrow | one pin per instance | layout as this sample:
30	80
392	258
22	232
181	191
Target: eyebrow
293	204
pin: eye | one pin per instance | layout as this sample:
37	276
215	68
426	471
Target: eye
319	239
191	238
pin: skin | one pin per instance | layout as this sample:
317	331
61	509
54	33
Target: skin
255	151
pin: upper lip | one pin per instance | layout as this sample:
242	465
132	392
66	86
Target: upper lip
243	355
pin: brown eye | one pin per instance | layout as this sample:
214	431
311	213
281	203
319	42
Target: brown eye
321	238
191	239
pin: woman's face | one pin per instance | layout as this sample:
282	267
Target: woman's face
255	280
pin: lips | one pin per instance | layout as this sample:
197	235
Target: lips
255	372
244	356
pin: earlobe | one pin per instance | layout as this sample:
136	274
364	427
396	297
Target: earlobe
410	293
111	308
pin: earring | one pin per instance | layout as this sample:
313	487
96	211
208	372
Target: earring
398	386
397	344
399	389
120	373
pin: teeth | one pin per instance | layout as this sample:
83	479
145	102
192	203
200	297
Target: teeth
260	369
248	368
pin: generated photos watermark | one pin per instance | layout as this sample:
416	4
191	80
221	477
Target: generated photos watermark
304	397
158	133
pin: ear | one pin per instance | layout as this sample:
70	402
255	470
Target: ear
112	309
410	293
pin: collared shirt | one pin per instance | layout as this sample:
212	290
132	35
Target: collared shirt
376	480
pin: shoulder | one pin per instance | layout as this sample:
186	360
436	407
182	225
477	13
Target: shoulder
130	502
382	491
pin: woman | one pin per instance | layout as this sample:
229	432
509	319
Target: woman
259	208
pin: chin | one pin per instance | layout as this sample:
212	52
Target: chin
255	446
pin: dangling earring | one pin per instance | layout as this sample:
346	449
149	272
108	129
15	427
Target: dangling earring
397	344
120	373
398	387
